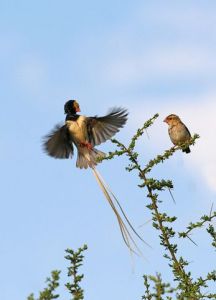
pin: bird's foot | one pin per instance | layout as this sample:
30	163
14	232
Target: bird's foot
87	145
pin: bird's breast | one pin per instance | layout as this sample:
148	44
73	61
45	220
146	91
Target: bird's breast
78	129
178	134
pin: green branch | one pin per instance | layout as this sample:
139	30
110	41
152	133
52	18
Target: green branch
188	288
204	219
49	292
75	258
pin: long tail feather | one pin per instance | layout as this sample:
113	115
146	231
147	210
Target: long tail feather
124	231
125	216
126	235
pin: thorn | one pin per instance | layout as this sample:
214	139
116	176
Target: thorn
144	223
192	240
211	210
171	195
147	134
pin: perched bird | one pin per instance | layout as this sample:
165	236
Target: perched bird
85	133
178	132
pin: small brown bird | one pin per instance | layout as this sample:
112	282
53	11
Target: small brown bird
178	132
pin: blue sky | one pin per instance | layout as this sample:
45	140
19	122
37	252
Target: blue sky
147	56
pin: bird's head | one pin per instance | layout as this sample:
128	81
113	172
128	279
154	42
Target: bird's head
172	119
71	107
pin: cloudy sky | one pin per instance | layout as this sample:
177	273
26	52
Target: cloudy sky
148	56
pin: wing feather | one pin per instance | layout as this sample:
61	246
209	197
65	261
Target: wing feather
58	143
101	129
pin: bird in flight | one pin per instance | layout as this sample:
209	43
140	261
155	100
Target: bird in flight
178	132
85	133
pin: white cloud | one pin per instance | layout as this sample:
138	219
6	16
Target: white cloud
162	61
203	117
199	115
163	41
182	14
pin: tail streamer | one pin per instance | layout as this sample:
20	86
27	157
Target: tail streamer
126	234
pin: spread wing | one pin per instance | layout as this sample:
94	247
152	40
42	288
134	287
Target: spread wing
101	129
58	143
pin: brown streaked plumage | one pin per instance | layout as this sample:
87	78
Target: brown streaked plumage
178	132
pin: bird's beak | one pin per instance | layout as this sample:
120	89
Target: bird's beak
165	120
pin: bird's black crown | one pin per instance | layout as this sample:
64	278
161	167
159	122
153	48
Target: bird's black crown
69	107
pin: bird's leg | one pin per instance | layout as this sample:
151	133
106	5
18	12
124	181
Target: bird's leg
87	145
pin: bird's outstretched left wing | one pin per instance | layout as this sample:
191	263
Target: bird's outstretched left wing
101	129
58	143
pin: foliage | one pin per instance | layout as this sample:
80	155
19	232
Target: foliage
186	287
48	292
75	258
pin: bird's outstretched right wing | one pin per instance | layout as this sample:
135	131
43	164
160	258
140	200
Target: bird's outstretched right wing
58	143
101	129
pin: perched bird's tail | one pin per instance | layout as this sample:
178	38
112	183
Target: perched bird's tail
186	150
88	158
